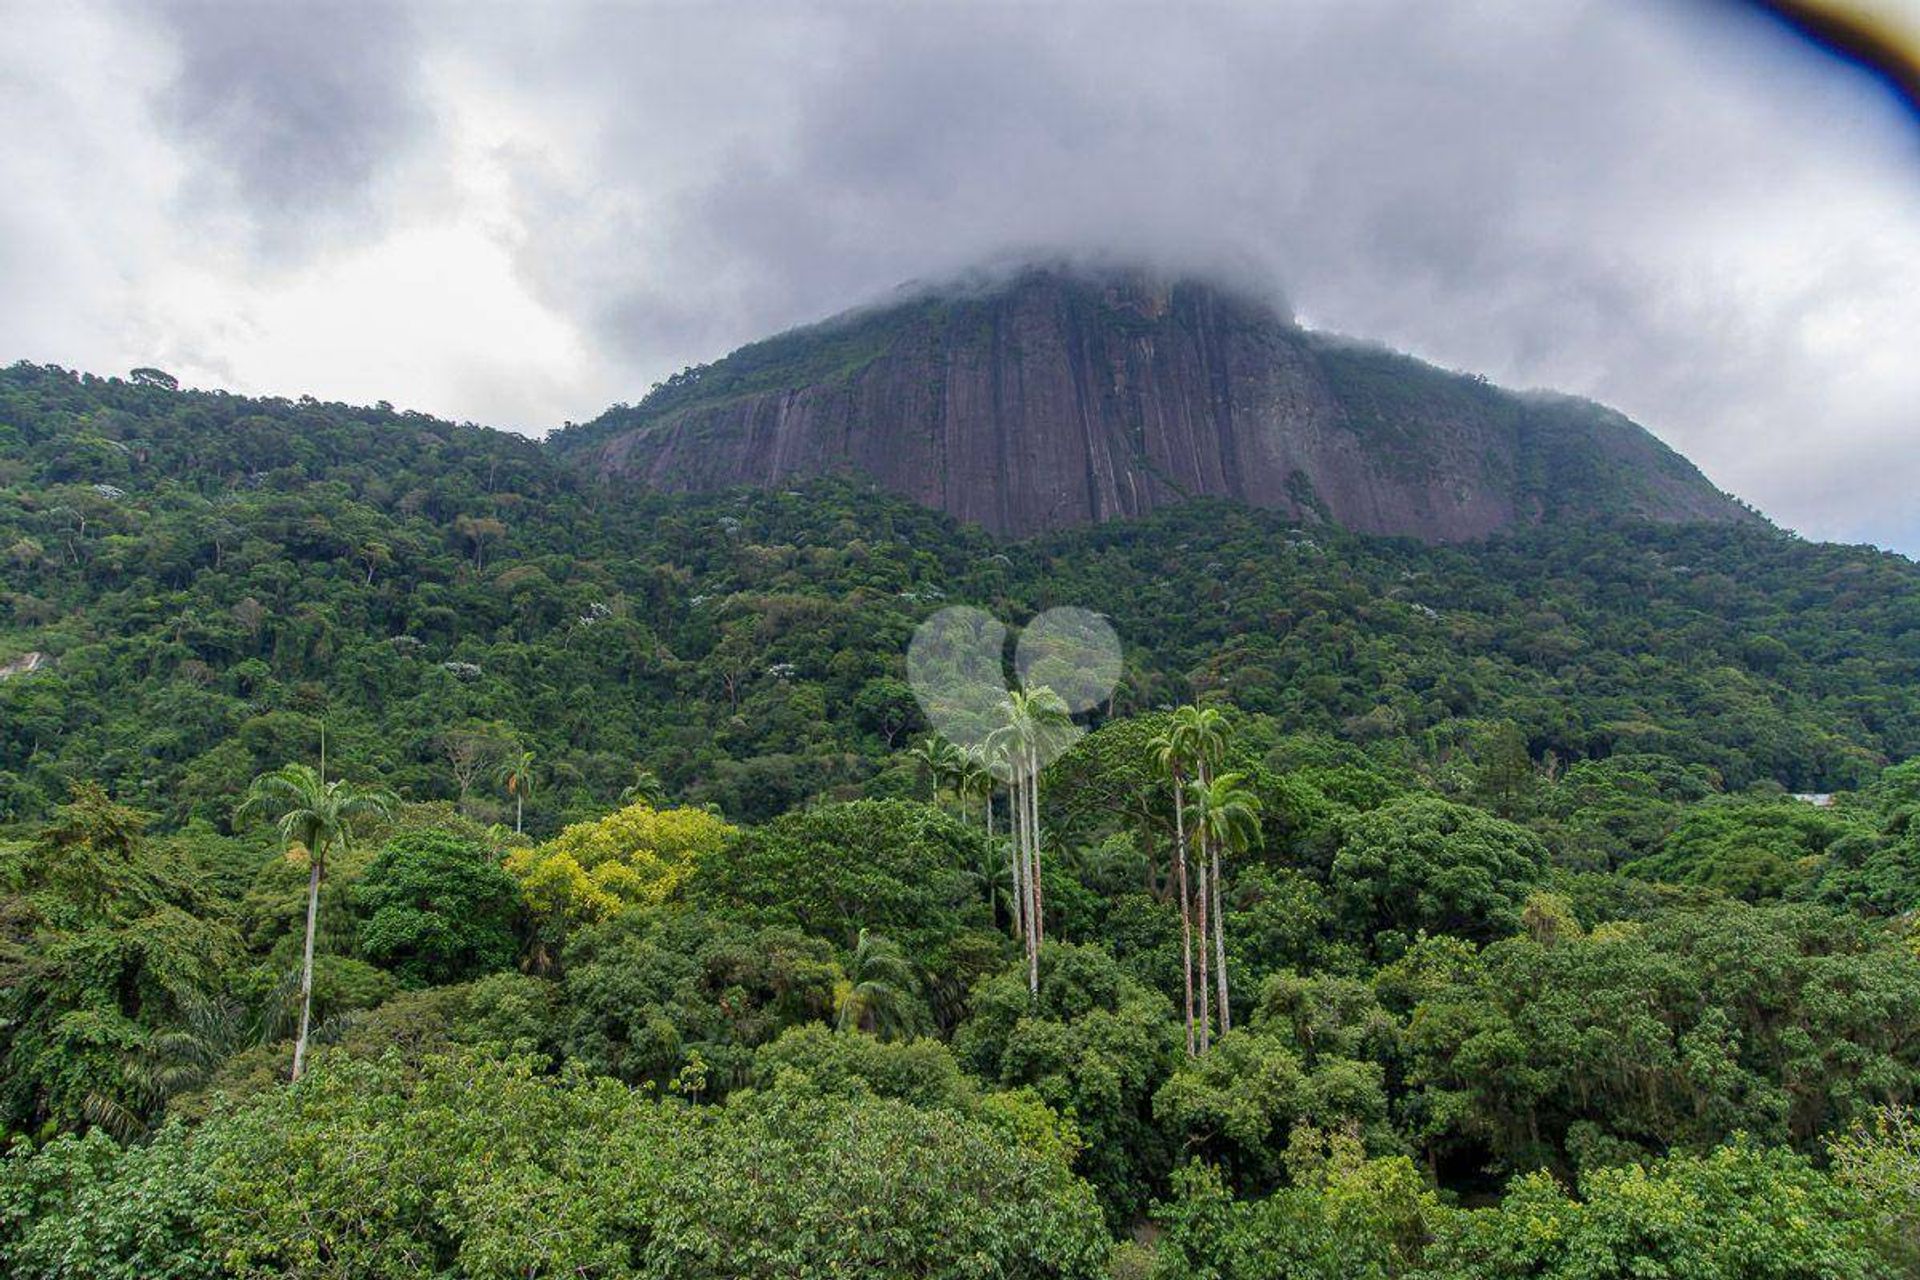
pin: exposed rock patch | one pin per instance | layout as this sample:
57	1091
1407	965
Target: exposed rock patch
25	664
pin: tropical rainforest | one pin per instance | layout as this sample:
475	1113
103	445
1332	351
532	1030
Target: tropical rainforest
420	858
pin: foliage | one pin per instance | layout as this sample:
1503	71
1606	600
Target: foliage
1879	1159
84	1206
1344	1218
104	944
635	856
1093	1045
812	1058
1241	1105
439	909
892	866
1747	849
645	994
1736	1213
488	1169
1425	864
1783	1022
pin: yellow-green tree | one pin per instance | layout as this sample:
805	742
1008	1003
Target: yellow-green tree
634	856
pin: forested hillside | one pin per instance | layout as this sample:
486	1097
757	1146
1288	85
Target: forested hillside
1408	911
210	578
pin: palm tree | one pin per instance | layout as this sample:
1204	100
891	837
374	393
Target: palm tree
318	815
516	775
646	788
1033	722
995	763
1205	733
1208	731
974	780
1195	740
942	761
1227	816
184	1057
1170	752
879	992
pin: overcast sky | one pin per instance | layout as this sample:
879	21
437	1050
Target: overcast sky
520	215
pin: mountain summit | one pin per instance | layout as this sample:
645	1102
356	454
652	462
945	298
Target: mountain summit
1058	396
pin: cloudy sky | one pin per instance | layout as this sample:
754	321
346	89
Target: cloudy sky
518	216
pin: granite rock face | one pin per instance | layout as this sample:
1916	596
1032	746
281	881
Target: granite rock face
1055	398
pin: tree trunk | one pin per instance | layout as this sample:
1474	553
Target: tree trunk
306	965
1016	859
1030	869
1030	860
1220	944
1206	998
1186	899
519	810
990	844
1038	915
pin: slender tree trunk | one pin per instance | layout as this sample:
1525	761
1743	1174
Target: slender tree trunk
519	810
1017	858
1186	899
1030	857
1033	837
990	847
306	965
1027	870
1220	943
1206	998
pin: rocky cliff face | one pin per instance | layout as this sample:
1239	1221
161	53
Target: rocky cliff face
1057	398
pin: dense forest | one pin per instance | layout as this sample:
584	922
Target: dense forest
1407	911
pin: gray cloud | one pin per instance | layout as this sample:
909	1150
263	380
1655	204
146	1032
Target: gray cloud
1674	208
1651	204
293	111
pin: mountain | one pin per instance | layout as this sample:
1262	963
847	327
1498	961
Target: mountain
1058	396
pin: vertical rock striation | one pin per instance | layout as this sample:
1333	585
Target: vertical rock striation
1057	397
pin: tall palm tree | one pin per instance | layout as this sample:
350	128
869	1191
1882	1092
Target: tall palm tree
1227	815
1033	722
1170	753
879	992
996	762
516	775
974	781
1205	734
1207	731
318	815
1195	740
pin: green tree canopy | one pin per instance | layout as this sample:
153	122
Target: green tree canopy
438	909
